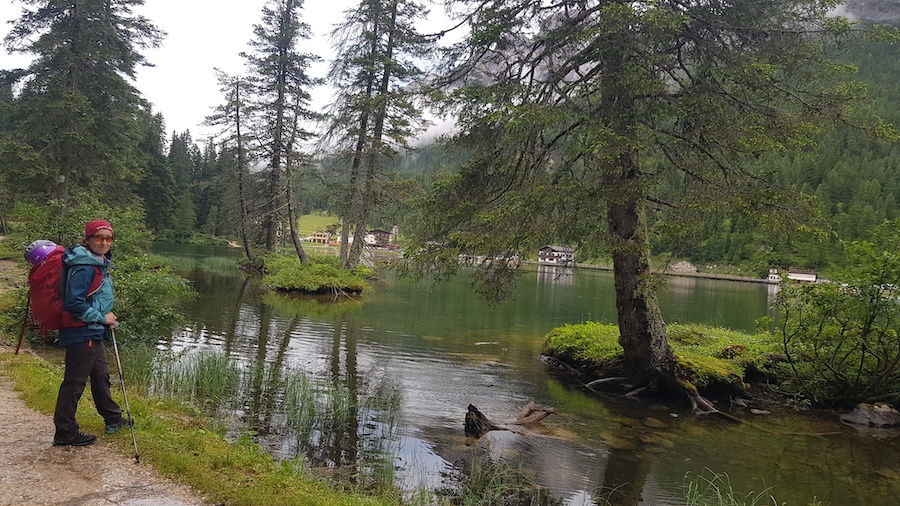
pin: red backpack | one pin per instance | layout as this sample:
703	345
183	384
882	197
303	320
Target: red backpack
46	285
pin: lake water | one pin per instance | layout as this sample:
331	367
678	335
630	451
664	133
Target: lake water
440	349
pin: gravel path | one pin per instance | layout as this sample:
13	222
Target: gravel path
34	472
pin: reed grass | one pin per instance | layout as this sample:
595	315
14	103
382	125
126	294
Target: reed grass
715	489
319	415
201	377
488	482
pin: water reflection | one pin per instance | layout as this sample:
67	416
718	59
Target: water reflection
404	364
555	275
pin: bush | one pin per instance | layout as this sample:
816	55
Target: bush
841	339
147	297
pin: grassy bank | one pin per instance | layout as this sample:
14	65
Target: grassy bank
714	359
173	439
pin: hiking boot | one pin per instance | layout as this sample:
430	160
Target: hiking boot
75	439
113	427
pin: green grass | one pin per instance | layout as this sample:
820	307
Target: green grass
715	489
315	222
708	357
484	481
177	442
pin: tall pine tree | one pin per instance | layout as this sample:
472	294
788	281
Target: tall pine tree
379	51
76	114
281	95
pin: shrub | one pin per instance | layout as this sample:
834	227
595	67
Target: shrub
841	339
322	275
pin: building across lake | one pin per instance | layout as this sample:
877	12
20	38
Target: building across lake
800	276
556	255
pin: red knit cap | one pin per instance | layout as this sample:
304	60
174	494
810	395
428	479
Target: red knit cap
92	228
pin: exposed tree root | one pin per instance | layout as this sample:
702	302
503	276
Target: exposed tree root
699	404
477	424
604	383
637	391
702	406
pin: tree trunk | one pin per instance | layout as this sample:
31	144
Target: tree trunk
642	331
289	186
242	167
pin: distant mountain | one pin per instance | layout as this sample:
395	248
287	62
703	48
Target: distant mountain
874	10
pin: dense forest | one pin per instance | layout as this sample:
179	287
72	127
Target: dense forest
852	179
112	142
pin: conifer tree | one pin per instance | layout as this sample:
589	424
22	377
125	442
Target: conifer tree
573	111
374	114
157	186
230	118
281	92
76	115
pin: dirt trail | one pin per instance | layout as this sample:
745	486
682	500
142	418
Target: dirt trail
36	473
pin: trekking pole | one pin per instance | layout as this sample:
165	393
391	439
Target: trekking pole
24	321
137	456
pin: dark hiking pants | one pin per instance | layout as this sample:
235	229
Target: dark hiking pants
84	361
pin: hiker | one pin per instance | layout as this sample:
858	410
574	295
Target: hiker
90	317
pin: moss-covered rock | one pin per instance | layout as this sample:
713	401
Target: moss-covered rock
591	348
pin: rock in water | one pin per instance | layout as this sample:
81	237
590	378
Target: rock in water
880	414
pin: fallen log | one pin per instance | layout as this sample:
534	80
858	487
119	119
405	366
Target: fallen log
477	424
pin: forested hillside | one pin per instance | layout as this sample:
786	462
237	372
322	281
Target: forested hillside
853	179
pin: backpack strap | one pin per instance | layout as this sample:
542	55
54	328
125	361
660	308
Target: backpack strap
95	282
71	321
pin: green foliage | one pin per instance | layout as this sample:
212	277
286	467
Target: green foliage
10	306
147	291
77	122
157	187
42	221
841	338
322	275
148	294
10	250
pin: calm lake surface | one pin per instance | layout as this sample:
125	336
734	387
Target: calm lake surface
441	349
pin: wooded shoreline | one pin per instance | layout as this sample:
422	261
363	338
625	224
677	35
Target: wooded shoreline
705	275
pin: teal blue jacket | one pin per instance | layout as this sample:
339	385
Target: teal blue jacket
81	267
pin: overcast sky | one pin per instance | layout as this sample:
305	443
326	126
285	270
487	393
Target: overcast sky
201	35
